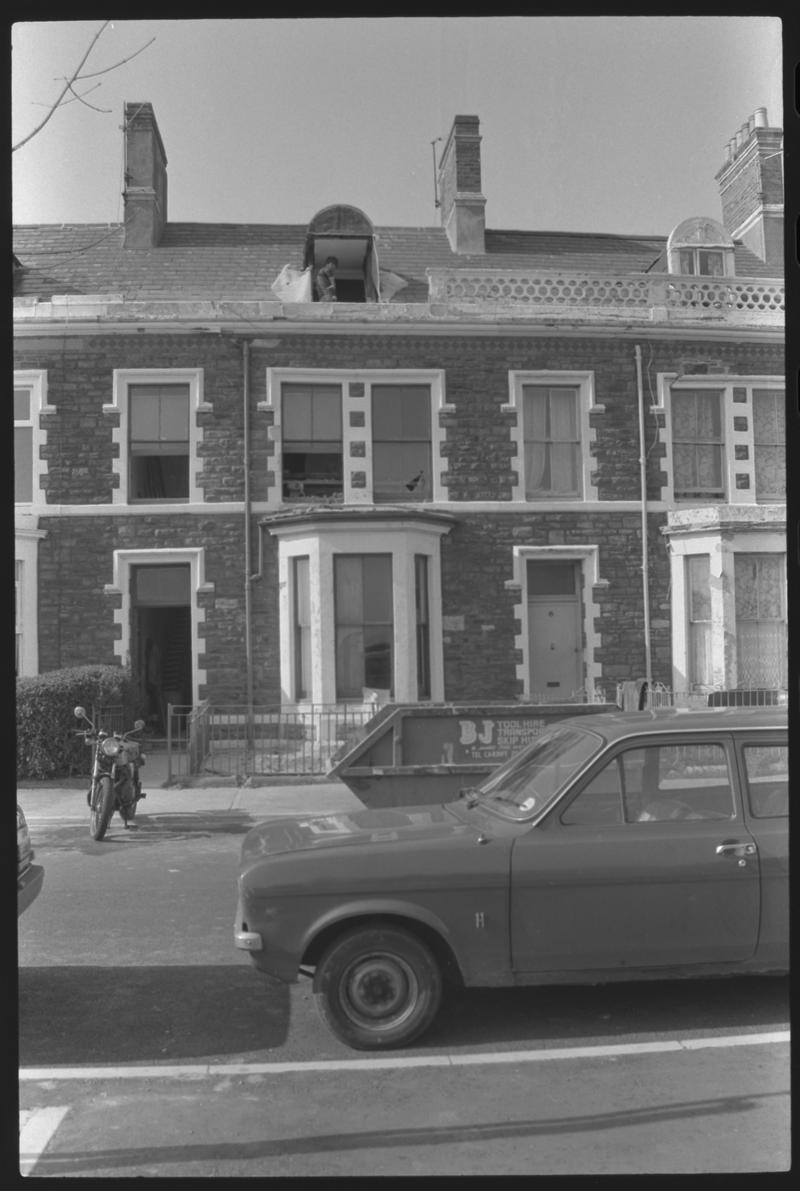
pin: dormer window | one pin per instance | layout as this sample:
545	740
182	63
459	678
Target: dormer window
700	247
701	262
346	234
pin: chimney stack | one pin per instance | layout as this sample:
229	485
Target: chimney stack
751	188
145	192
461	201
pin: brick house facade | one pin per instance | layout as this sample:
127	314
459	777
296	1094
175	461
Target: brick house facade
453	483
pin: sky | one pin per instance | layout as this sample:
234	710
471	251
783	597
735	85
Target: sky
601	124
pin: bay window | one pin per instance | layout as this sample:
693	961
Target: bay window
698	582
364	623
760	597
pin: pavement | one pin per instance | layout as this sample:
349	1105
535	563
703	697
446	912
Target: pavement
262	802
277	797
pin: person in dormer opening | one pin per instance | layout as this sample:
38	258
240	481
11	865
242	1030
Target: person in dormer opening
324	283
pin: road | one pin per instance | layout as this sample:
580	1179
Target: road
150	1046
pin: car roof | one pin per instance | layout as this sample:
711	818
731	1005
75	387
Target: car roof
614	725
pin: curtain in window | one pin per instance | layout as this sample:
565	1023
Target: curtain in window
699	600
697	442
550	418
769	436
761	645
564	432
535	420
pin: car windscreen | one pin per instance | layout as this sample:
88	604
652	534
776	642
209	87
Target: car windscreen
526	784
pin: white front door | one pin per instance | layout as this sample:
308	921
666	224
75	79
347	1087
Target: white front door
554	629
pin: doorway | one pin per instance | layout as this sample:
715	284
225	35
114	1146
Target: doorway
555	635
161	639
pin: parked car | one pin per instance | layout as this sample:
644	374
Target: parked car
616	846
30	876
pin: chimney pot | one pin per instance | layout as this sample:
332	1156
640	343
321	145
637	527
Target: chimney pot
760	118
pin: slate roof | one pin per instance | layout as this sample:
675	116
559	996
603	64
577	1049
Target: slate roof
203	260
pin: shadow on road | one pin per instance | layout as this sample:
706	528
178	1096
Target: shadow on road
102	1015
216	1152
474	1017
148	830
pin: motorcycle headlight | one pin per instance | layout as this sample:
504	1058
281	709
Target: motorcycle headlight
110	747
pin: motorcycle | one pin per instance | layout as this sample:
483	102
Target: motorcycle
115	784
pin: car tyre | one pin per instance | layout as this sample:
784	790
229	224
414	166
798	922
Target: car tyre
378	987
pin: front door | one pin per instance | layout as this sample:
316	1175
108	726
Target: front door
554	629
161	641
650	865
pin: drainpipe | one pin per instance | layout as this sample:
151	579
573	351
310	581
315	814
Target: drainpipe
248	627
643	486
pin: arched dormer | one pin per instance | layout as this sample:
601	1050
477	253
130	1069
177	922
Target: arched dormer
700	247
346	233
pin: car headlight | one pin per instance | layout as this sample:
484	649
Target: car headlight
110	747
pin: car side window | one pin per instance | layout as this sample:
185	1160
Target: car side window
766	770
599	802
679	780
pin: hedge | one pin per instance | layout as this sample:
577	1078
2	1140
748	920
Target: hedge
47	746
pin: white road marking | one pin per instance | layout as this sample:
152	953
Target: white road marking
36	1127
200	1070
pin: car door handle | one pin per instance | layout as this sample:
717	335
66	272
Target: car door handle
735	848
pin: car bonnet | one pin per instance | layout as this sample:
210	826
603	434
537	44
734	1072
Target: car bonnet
406	825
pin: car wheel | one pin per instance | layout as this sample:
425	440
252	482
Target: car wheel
378	987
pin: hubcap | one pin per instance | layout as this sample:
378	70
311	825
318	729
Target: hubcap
381	989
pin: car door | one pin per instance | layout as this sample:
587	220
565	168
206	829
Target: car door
648	863
764	767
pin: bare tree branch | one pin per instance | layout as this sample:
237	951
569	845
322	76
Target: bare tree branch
75	77
82	100
120	63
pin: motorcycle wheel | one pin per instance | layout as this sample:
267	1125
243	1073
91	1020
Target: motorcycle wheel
102	807
127	799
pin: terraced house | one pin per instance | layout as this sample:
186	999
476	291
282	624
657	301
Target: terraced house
455	482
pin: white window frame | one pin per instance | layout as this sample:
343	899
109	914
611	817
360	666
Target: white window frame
123	561
583	381
321	542
699	234
35	381
721	544
276	377
26	555
732	437
122	379
782	620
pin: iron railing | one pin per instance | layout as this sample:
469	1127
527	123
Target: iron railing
234	740
638	696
